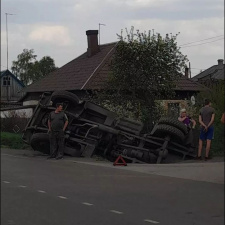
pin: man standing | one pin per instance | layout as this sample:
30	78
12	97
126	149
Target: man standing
206	119
57	123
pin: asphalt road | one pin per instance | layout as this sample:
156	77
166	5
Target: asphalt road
36	191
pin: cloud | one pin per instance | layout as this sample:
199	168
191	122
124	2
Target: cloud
190	31
57	28
54	35
146	3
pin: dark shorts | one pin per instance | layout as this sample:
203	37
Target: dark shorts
208	135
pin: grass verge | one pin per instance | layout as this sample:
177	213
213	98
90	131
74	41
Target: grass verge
13	140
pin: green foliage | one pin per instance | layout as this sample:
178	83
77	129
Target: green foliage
23	66
44	67
28	69
12	140
143	69
146	65
216	96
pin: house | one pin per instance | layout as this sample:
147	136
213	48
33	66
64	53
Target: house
11	93
11	87
89	71
211	75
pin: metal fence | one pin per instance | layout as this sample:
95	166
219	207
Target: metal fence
13	124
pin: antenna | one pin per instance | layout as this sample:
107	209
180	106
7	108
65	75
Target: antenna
6	14
7	81
100	24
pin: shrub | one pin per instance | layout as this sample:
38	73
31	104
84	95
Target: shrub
216	96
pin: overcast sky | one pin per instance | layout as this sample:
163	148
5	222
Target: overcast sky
57	28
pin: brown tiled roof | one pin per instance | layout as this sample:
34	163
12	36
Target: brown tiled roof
91	73
182	84
76	74
99	78
186	84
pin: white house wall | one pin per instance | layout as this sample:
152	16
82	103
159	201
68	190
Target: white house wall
23	113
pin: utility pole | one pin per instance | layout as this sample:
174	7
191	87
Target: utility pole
100	24
7	81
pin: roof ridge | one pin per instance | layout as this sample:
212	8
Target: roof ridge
199	75
93	73
8	72
109	43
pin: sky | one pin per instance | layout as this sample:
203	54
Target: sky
58	28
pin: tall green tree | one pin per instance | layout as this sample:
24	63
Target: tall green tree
29	69
144	68
23	67
43	67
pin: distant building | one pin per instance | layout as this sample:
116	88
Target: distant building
90	71
211	75
11	93
10	87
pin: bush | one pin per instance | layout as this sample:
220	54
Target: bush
216	96
218	141
13	141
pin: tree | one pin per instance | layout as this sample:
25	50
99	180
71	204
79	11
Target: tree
22	68
28	69
43	67
144	68
216	95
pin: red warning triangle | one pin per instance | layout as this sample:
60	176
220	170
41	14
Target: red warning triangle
116	163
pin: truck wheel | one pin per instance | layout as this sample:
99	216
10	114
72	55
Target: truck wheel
72	151
61	96
148	157
163	130
40	142
174	123
153	158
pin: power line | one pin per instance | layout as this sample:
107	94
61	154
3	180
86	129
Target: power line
202	43
201	40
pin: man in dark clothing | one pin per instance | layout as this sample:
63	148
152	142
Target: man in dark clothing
206	119
57	123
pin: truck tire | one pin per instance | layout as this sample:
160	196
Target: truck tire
175	123
40	142
72	151
60	96
153	158
163	130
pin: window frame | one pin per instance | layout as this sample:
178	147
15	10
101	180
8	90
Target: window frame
6	81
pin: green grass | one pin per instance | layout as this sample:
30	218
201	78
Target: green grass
12	140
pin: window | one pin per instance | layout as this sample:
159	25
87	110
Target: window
6	81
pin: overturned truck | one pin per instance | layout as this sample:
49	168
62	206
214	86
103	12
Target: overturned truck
93	130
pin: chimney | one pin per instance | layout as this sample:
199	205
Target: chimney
92	39
186	73
220	63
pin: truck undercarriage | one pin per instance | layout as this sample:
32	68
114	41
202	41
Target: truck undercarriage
93	130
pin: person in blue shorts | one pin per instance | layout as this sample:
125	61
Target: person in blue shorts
206	119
